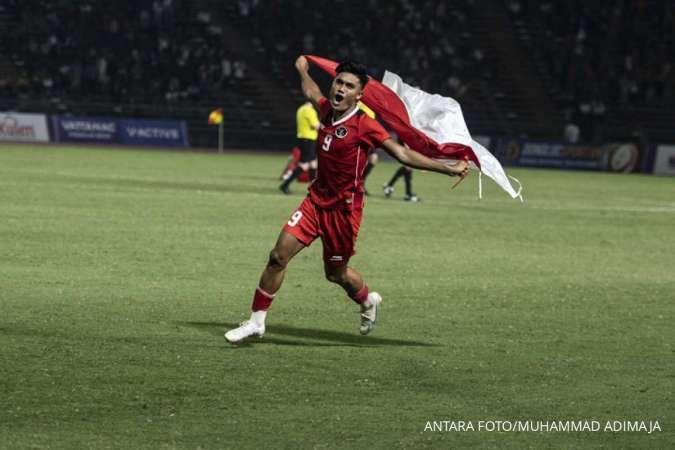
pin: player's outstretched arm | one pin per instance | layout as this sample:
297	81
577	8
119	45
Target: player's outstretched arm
416	160
310	89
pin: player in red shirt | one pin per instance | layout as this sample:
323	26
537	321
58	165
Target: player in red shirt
333	208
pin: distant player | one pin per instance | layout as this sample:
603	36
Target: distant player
388	188
333	208
291	163
307	124
406	173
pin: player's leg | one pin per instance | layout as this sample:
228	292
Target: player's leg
301	167
340	231
389	187
285	249
409	194
356	288
307	156
312	169
291	163
398	174
349	279
300	230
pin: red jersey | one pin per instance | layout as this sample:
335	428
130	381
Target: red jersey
342	152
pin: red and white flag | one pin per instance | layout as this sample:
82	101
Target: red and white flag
428	123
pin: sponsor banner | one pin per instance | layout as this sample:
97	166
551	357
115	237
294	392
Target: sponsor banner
110	130
20	127
165	133
615	157
664	162
624	157
85	129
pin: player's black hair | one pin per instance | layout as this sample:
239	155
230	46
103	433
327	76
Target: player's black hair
354	68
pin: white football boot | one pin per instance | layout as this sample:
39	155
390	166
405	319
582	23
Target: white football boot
369	313
388	190
246	329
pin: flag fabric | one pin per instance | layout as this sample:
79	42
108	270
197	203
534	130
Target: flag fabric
216	117
428	123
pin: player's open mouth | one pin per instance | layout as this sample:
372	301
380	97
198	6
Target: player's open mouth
338	98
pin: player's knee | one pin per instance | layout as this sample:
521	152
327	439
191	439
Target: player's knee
277	260
335	275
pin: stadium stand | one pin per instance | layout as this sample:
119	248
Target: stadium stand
515	70
446	47
147	58
606	64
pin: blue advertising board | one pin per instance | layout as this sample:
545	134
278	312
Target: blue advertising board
165	133
108	130
616	157
85	129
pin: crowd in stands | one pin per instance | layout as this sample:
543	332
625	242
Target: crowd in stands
428	43
619	50
143	50
604	54
598	55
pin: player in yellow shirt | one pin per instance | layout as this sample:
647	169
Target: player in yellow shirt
307	121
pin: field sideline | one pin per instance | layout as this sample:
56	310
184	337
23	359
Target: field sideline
121	269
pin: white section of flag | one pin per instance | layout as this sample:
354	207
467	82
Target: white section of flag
441	119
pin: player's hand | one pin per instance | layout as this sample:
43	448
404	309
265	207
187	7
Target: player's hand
458	169
302	64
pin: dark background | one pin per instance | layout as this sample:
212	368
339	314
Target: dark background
519	68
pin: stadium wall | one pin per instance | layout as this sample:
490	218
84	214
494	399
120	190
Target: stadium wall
664	160
21	127
620	157
108	130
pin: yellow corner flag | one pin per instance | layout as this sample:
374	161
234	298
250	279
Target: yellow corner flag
216	117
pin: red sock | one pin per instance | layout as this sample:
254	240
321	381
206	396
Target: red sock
362	295
261	300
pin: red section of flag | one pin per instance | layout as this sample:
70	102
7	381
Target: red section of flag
390	108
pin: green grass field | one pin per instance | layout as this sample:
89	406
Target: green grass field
120	270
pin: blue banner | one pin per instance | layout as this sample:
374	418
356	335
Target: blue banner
165	133
109	130
85	129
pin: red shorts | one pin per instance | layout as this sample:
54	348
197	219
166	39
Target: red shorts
337	228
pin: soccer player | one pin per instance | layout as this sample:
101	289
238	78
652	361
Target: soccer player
333	208
406	173
307	122
291	163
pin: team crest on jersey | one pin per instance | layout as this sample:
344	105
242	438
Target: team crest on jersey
341	132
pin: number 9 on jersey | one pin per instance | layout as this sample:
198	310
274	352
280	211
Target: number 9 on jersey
295	218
